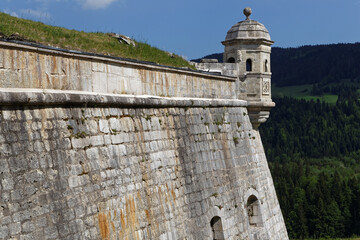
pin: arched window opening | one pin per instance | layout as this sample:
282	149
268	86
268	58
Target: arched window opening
217	228
248	65
253	211
231	60
266	66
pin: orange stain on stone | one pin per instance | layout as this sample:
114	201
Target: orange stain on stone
131	212
122	220
104	226
173	194
147	213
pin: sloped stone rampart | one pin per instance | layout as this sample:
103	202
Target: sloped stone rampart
131	173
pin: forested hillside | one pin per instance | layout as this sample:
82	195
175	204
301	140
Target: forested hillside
313	150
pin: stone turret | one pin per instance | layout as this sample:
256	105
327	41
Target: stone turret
248	45
247	57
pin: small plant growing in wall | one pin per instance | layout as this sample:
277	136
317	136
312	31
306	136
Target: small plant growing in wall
215	194
87	147
218	122
80	135
113	131
236	140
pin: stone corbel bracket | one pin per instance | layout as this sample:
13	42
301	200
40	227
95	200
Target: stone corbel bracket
259	112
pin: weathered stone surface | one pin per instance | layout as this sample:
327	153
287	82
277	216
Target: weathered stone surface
164	174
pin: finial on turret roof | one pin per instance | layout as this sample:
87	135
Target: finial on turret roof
247	13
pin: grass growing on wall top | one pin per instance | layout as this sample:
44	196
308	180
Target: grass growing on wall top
99	43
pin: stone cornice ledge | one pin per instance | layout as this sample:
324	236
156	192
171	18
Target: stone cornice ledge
21	96
261	104
259	112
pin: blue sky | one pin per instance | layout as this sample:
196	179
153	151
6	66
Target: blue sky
194	28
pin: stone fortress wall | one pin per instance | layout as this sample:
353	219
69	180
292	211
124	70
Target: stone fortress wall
93	147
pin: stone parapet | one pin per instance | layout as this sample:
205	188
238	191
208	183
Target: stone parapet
35	66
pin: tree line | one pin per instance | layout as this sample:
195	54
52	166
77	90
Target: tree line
313	150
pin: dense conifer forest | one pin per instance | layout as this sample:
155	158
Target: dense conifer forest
313	151
321	64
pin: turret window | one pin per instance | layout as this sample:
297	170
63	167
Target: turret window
248	65
266	66
231	60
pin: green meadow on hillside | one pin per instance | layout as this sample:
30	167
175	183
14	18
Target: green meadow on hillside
302	92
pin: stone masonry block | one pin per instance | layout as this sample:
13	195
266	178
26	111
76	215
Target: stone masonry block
4	232
80	142
15	228
104	126
97	140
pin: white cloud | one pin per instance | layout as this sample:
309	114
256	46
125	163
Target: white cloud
96	4
41	15
14	14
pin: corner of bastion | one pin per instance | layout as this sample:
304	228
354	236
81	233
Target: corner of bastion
97	147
